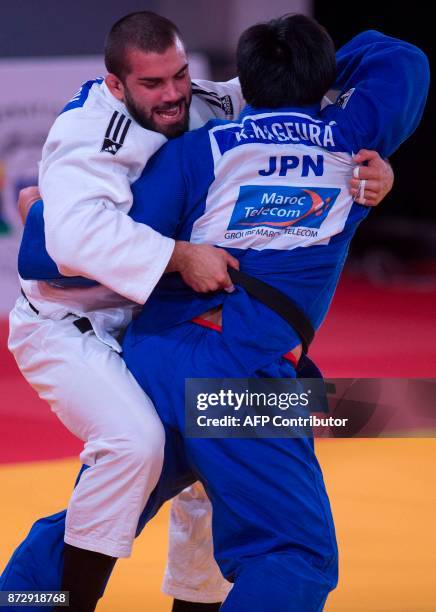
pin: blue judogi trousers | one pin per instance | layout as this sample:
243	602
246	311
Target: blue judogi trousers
272	525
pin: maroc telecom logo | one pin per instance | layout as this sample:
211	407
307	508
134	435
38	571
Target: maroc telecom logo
282	207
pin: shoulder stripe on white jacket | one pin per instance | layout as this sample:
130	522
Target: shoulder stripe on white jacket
112	141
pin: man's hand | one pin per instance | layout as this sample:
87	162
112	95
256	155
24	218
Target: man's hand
26	198
203	267
373	182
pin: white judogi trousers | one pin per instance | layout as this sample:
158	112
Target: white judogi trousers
89	388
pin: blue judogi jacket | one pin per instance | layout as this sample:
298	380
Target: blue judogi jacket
272	188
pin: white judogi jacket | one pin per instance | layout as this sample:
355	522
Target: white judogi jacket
93	153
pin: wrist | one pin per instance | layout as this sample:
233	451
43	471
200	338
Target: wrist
177	260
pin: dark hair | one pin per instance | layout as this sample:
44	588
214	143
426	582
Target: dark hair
286	62
143	30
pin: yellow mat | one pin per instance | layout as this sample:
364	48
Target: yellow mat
383	494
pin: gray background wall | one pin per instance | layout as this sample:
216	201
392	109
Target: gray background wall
57	27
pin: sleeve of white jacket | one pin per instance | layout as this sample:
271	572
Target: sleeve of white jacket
225	97
86	193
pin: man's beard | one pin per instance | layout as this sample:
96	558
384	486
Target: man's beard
170	131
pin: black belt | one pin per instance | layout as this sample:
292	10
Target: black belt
277	301
83	324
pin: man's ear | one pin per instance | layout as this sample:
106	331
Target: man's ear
115	86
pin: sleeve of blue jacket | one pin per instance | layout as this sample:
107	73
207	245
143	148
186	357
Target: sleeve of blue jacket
384	83
160	193
161	182
33	259
34	263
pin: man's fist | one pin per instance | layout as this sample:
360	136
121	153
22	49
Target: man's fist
202	267
26	198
